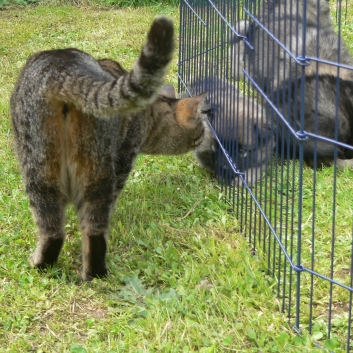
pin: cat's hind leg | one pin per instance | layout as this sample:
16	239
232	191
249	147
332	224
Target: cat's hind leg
94	212
48	208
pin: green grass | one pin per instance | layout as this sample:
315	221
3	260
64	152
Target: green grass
92	3
183	278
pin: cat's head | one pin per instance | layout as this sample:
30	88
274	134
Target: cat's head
188	111
178	124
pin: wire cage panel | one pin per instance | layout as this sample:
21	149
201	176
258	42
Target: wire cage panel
279	76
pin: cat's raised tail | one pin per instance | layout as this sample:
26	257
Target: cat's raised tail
74	77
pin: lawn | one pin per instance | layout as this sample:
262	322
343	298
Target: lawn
182	277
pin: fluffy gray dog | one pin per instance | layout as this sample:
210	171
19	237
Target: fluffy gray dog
241	126
328	96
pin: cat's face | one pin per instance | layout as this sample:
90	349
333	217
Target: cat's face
187	112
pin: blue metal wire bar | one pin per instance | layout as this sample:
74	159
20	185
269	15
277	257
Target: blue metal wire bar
342	66
300	60
230	26
326	139
330	280
195	13
200	54
273	106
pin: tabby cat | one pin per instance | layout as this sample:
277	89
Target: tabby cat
79	124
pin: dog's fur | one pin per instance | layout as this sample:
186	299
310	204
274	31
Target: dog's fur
242	128
279	76
270	64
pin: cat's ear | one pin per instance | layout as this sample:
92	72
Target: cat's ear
187	108
199	100
168	90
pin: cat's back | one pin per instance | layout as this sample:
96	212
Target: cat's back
64	61
46	72
37	93
49	129
36	99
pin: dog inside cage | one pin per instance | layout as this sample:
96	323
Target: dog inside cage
293	58
248	138
285	32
